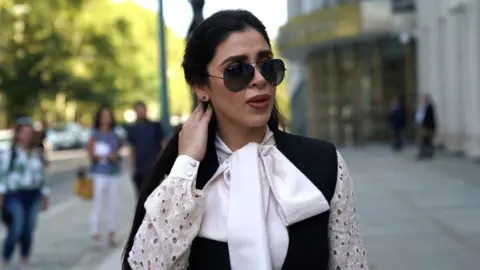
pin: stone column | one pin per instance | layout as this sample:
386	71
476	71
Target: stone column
462	75
435	68
451	74
439	65
424	41
472	80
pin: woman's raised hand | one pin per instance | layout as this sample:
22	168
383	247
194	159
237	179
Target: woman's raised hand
192	139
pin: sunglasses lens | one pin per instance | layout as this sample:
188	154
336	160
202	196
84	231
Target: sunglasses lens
237	76
273	71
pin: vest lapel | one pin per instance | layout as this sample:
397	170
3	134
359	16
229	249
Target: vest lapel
285	145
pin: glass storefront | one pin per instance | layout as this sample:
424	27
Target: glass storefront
350	89
356	65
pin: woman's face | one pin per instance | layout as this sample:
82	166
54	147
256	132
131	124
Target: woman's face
238	108
105	118
25	135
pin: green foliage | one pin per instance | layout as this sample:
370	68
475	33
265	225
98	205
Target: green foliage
80	53
60	59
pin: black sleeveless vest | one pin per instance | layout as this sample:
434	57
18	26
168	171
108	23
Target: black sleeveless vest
309	244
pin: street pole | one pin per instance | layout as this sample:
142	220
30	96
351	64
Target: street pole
165	115
197	8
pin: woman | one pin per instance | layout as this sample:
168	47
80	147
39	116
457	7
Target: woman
233	191
23	192
103	148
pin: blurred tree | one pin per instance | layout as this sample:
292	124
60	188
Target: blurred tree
28	45
82	51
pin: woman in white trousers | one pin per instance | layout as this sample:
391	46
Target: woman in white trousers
103	150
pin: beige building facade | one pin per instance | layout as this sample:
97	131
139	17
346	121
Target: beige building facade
449	69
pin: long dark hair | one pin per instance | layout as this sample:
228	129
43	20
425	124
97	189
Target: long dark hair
98	116
199	52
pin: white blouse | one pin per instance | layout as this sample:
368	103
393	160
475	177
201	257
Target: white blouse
255	189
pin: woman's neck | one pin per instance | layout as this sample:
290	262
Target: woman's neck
235	137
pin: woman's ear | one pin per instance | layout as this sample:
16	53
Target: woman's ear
201	93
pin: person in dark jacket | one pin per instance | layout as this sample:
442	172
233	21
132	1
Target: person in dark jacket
397	123
145	138
426	120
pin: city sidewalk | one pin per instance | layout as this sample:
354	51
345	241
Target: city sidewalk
92	258
413	214
417	214
112	262
63	239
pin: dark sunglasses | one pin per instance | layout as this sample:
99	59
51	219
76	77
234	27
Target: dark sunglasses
238	76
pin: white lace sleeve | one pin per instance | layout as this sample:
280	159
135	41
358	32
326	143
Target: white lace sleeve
173	216
346	242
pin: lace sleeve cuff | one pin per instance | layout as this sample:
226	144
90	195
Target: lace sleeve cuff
185	167
173	216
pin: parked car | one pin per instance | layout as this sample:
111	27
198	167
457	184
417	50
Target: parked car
58	138
64	136
85	136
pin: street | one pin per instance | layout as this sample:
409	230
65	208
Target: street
414	215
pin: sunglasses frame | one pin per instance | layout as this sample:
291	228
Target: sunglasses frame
254	66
